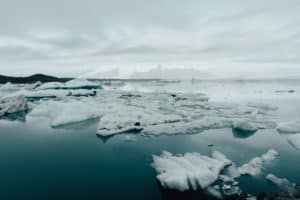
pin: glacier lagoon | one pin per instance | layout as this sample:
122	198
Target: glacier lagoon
43	158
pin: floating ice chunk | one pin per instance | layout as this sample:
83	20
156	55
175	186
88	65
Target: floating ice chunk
131	121
289	127
62	113
243	125
73	84
254	166
11	105
188	171
280	182
294	140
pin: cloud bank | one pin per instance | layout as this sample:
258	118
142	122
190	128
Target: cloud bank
72	38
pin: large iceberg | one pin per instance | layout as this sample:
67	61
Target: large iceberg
66	112
192	171
11	105
189	171
154	113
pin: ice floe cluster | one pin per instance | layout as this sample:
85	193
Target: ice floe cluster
215	174
152	113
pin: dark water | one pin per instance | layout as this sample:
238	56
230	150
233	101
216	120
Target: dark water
38	162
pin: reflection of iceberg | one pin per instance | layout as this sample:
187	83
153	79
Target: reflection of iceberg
11	105
19	116
242	134
73	85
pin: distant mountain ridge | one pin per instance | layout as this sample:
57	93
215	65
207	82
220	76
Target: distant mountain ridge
32	79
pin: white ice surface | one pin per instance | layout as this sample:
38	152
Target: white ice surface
11	105
190	171
66	112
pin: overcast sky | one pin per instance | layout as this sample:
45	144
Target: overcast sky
89	37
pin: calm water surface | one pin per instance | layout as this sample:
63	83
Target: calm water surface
38	162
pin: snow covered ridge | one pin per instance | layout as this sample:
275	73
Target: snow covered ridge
12	105
192	171
188	171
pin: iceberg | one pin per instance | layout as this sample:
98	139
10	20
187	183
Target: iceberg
131	121
294	140
289	127
190	171
73	85
12	105
68	112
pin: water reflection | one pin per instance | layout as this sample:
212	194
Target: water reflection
242	134
20	117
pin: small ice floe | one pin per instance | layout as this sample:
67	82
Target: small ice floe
66	112
289	127
294	140
73	85
280	182
12	105
255	165
190	171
